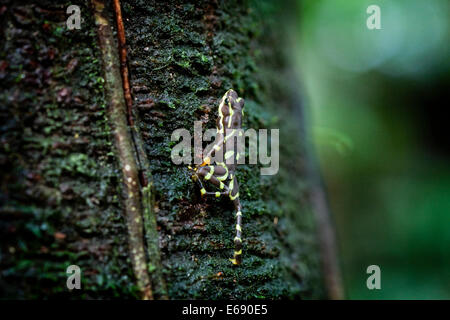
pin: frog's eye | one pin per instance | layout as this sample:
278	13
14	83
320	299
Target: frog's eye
227	101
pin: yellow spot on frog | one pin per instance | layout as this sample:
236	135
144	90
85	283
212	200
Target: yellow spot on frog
206	162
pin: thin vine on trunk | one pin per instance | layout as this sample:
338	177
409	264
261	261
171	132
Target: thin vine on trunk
124	146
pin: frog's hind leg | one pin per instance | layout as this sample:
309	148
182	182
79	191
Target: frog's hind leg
213	174
234	196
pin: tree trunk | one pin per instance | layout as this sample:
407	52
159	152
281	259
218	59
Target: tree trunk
87	175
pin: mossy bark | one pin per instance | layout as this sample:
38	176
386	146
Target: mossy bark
60	196
125	147
60	193
183	56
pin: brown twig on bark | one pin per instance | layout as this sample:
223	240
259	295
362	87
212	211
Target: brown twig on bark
123	61
124	148
147	195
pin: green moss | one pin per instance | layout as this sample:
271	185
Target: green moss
60	182
187	70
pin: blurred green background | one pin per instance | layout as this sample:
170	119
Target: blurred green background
376	100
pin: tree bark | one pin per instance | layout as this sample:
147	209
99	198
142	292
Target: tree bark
71	139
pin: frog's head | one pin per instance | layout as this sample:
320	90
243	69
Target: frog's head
231	99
